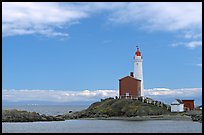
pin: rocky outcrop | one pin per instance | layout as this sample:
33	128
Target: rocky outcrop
119	107
197	117
24	116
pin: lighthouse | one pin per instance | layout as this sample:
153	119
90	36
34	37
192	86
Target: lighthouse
138	74
131	86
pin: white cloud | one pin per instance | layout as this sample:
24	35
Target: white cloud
21	18
199	65
24	18
173	92
165	16
190	35
60	96
190	44
56	95
46	18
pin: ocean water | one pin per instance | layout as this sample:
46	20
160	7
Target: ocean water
95	126
104	126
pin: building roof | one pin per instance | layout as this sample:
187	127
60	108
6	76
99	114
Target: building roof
180	101
188	100
177	102
129	77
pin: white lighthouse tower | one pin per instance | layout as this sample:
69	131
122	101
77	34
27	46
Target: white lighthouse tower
138	74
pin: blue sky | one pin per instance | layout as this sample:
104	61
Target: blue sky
90	46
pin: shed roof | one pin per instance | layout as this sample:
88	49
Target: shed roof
188	100
180	101
177	102
129	77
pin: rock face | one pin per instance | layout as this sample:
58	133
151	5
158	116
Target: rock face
196	115
24	116
119	107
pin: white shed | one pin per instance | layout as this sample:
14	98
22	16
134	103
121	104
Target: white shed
177	106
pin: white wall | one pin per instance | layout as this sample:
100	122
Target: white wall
177	108
138	73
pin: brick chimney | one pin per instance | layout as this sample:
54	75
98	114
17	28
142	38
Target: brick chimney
131	74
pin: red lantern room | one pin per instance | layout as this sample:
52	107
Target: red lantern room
138	52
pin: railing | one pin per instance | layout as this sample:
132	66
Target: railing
128	97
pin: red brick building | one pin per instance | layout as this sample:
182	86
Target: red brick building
129	87
188	104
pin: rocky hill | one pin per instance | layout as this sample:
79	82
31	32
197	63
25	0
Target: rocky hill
24	116
119	107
